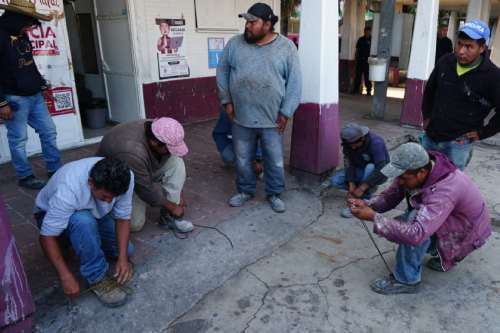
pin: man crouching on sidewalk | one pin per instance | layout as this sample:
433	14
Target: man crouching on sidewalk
89	202
447	216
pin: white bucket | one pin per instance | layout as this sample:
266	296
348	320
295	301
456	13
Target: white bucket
378	69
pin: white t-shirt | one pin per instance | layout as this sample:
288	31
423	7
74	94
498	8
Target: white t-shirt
68	191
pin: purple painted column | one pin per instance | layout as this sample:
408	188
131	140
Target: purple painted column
16	304
423	53
315	136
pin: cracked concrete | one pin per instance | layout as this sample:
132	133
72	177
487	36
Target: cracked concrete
167	286
319	282
304	271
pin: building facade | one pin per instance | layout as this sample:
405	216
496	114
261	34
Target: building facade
143	58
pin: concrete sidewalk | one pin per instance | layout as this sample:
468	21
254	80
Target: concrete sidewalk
319	282
304	270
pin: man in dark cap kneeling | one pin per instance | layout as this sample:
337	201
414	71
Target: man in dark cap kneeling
447	216
365	154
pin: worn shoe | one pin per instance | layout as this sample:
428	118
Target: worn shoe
32	183
324	186
346	213
239	199
390	286
110	292
435	264
177	224
276	203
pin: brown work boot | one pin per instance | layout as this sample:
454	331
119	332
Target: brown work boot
110	292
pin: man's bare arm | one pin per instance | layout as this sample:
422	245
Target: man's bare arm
52	250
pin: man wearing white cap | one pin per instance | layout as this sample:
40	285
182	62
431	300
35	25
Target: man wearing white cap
447	216
154	151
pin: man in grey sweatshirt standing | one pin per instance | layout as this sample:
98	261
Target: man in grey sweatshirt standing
259	85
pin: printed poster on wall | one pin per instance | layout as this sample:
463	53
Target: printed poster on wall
215	50
51	56
172	61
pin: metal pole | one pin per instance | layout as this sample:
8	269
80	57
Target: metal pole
383	51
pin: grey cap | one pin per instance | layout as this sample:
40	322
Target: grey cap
352	132
408	156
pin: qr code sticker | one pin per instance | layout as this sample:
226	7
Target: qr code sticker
63	101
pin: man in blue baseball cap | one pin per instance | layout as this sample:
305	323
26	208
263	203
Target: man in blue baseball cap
460	95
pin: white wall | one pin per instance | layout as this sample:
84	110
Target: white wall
145	34
495	45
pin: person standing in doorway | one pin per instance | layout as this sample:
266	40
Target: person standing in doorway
444	45
460	95
259	84
363	47
21	99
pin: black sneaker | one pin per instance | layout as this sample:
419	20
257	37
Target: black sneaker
434	263
32	183
390	286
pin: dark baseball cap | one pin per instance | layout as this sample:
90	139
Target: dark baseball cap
352	132
259	11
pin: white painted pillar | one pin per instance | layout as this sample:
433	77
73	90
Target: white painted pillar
422	58
315	136
349	30
318	51
453	27
479	10
361	17
495	46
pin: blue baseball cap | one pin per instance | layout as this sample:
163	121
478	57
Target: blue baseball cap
476	29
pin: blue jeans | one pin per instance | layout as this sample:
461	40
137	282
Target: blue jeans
93	240
339	181
458	151
222	135
409	258
31	110
245	143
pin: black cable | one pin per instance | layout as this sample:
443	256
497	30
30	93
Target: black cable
220	232
376	246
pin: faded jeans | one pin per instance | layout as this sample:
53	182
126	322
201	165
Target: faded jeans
409	258
339	181
31	110
93	240
459	151
245	142
223	137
